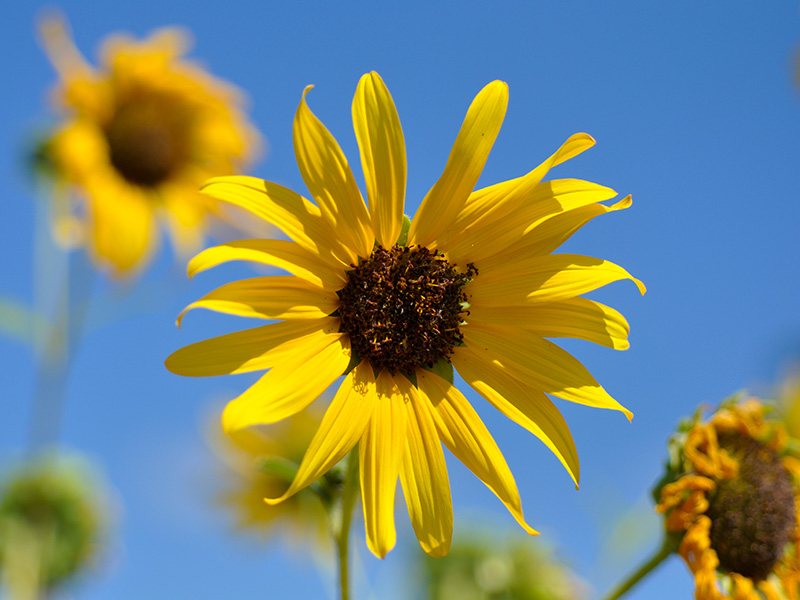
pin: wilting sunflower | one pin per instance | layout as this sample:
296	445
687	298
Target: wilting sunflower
470	283
730	497
140	134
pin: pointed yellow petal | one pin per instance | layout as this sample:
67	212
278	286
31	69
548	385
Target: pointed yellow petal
329	179
277	253
276	297
522	403
448	196
383	156
294	215
254	349
545	279
548	235
423	475
341	428
465	435
495	230
380	452
539	363
575	318
291	385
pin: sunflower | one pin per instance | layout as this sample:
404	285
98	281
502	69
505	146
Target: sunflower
730	498
140	134
395	305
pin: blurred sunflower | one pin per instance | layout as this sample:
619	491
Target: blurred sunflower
730	499
260	462
140	134
395	305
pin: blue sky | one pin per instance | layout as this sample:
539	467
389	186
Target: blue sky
696	113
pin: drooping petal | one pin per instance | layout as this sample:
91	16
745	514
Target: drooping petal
276	297
254	349
540	363
465	435
574	317
294	215
380	451
342	426
545	279
521	403
292	384
329	179
497	230
471	149
423	475
383	156
277	253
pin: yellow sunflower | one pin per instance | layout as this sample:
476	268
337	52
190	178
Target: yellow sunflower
730	497
469	283
140	134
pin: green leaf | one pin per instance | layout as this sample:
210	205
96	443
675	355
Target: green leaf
443	368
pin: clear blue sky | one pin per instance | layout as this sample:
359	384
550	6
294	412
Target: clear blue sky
696	113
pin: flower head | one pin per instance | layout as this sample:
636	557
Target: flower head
469	283
52	520
140	133
729	497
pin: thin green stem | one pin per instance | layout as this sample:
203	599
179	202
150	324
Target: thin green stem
667	548
349	495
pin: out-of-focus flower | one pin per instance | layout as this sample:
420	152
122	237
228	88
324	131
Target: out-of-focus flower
140	134
730	498
490	567
789	403
471	280
260	462
53	517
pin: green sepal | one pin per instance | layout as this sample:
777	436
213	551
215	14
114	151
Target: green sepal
443	368
355	360
403	239
279	467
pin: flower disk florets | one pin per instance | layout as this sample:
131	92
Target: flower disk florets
402	308
753	514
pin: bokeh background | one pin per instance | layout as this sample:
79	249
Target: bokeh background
696	111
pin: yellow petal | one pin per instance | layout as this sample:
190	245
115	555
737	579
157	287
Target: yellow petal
449	194
277	253
342	426
329	179
254	349
539	363
493	202
122	226
523	404
548	235
575	318
545	279
294	215
292	384
494	231
465	435
383	156
380	452
276	297
423	475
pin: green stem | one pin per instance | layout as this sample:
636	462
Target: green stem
667	548
349	495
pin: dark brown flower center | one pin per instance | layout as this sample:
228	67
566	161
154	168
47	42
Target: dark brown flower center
752	514
402	308
147	140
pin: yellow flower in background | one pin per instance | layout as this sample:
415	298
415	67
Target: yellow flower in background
730	497
260	462
470	281
140	134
